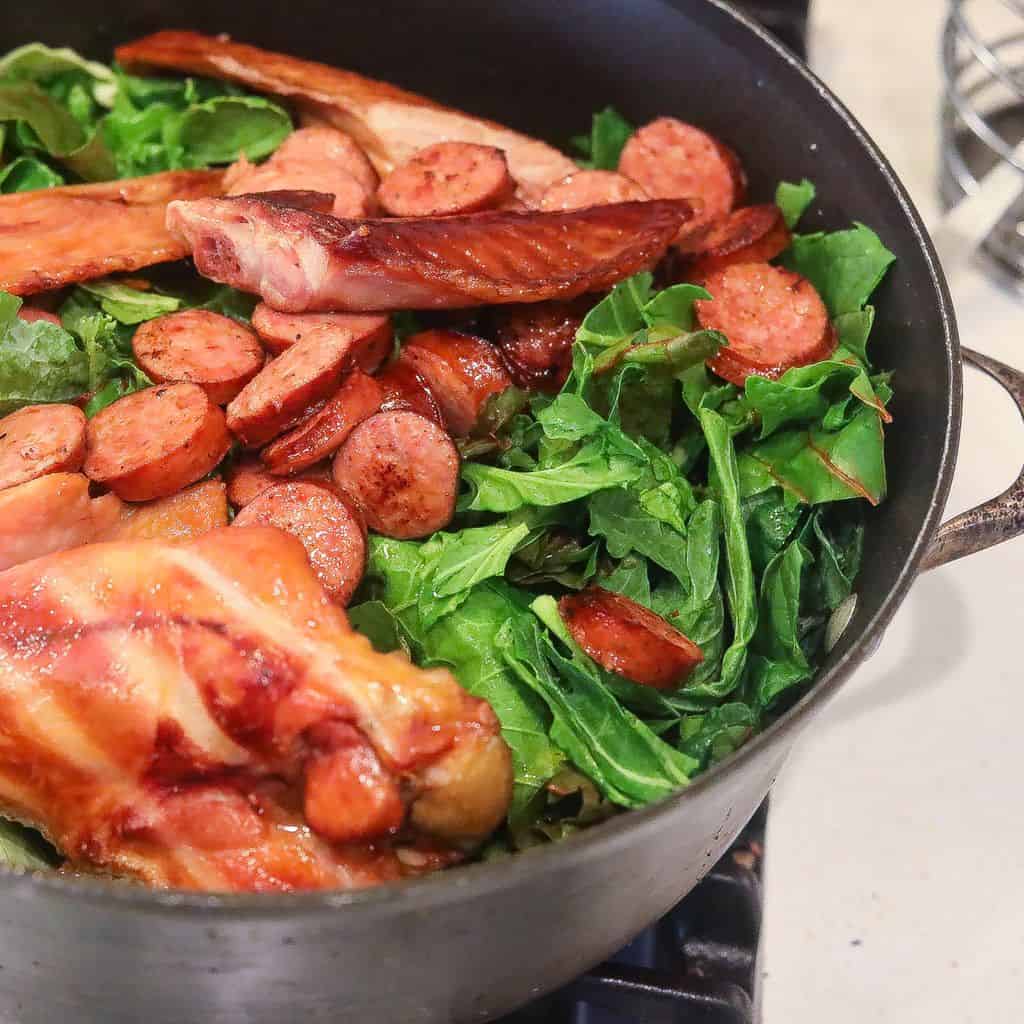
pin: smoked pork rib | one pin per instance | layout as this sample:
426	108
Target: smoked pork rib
57	236
389	123
200	715
303	261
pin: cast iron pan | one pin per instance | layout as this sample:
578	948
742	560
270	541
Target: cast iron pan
482	940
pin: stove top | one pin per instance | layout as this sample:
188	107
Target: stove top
697	965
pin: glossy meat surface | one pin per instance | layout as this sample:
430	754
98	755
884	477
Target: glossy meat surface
389	123
190	714
56	236
300	261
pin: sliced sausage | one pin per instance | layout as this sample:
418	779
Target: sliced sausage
406	389
323	433
753	234
289	386
326	521
460	370
403	469
189	513
773	319
536	340
591	188
670	159
332	145
215	352
624	637
30	314
351	198
447	178
41	439
248	478
370	333
155	442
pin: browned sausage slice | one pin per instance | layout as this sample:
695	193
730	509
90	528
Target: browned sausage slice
322	142
670	159
155	442
327	523
406	389
403	469
536	340
215	352
461	371
773	318
447	178
624	637
371	333
752	234
30	314
248	478
41	439
591	188
323	433
289	386
351	198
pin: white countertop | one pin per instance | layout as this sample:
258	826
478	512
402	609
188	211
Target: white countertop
895	864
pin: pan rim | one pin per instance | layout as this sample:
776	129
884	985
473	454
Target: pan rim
473	880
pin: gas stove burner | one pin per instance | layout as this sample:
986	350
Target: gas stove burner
699	963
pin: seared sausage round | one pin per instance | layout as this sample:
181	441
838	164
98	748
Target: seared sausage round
155	442
248	478
323	433
624	637
370	333
447	178
215	352
326	521
536	340
403	469
773	320
332	145
461	371
752	234
41	439
289	386
670	159
591	188
351	198
405	388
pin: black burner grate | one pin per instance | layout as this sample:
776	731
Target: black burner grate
697	965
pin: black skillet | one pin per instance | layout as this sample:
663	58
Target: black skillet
482	940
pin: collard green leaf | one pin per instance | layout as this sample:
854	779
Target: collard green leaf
793	200
713	735
39	362
838	545
853	330
609	132
819	466
844	266
629	577
25	174
130	305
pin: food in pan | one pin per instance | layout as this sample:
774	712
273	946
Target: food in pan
382	488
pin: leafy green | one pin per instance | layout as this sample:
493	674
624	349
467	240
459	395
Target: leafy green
711	736
25	174
609	132
793	200
39	361
23	848
224	128
130	305
844	266
473	555
853	330
36	62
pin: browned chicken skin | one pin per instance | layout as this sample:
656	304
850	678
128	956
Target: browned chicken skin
57	236
301	261
200	715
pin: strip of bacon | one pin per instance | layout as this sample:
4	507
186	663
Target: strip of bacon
301	261
213	722
389	123
57	236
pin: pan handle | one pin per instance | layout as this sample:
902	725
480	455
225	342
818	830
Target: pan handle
993	521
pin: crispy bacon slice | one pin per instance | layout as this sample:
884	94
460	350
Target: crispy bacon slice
301	261
213	722
389	123
56	236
